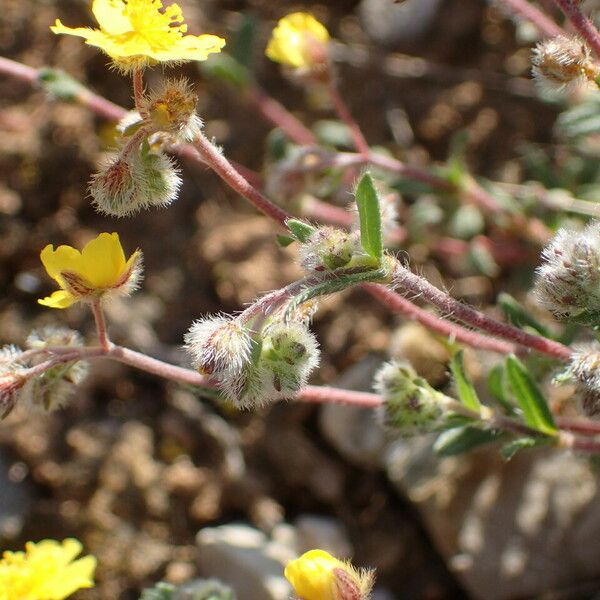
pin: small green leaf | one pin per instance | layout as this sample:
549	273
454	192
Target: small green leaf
518	315
227	69
370	218
498	387
60	85
529	397
464	388
284	240
461	439
300	229
510	449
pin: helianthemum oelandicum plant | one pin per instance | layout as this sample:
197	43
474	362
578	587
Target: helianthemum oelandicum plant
139	33
45	571
317	575
100	270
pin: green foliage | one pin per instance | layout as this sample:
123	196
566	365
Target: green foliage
464	388
369	213
510	449
518	315
60	85
301	230
530	399
462	439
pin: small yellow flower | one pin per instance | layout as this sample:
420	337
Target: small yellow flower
317	575
99	269
45	571
299	41
137	33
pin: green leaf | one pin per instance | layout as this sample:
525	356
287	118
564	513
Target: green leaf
498	387
227	69
518	315
370	218
510	449
529	397
244	42
462	439
60	85
464	388
301	230
284	240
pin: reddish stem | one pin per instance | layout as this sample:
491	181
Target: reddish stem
446	328
582	23
278	115
412	284
546	26
346	116
101	330
138	90
227	172
582	426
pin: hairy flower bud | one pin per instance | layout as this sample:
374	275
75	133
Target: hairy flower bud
55	387
172	109
568	281
11	379
130	182
328	248
220	346
410	404
562	62
290	352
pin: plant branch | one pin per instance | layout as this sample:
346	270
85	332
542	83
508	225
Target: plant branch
101	330
341	108
544	24
582	23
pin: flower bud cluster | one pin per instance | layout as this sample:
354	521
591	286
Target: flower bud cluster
250	368
329	248
568	281
584	371
410	404
50	390
53	389
131	181
562	63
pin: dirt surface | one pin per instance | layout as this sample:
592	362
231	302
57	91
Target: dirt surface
134	467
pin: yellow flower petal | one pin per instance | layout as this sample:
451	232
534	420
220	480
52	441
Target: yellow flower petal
110	16
103	260
293	40
312	575
59	299
64	258
136	32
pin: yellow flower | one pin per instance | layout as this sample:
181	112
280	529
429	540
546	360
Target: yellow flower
136	33
317	575
45	571
99	269
299	41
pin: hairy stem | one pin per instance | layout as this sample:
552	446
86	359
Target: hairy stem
545	25
138	90
345	115
582	23
101	330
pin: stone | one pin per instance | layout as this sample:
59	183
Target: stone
245	559
508	529
15	498
316	531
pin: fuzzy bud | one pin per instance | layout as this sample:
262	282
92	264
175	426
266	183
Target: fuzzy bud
584	370
53	389
410	404
172	109
328	248
128	183
562	63
568	281
290	352
220	346
11	379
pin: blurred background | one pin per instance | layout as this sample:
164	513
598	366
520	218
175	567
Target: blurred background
160	485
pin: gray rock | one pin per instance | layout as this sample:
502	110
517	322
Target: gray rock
315	531
354	432
508	529
390	23
15	499
245	559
